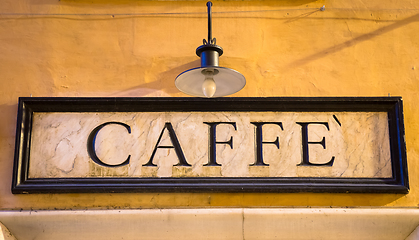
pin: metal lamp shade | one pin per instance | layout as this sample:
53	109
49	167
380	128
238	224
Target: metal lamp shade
228	81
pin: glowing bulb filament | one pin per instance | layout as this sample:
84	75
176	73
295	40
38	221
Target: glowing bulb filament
209	87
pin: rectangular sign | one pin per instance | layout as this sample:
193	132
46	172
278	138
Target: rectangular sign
207	145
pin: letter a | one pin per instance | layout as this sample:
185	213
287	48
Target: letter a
176	146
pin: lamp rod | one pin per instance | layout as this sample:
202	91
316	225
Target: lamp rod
210	40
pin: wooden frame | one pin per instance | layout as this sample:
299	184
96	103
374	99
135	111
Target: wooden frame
392	105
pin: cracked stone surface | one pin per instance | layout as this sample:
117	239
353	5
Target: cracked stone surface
358	141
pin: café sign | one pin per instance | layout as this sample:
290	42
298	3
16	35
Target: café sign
207	145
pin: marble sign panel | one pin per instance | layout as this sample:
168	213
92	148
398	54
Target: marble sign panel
358	143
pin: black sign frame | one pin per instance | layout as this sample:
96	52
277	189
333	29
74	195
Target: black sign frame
399	183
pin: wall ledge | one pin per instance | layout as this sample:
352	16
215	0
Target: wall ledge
214	223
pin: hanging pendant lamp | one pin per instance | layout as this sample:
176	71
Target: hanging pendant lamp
210	80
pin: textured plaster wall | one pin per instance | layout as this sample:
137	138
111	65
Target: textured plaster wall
137	48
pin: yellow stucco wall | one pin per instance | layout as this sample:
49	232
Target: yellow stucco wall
137	48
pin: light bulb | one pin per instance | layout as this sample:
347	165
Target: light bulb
209	87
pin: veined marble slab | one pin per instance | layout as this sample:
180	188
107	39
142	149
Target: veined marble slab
357	141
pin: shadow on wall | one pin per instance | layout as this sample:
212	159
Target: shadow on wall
8	120
306	199
352	42
165	83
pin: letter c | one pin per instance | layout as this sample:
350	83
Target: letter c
91	145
